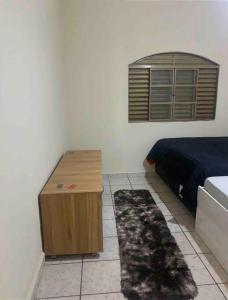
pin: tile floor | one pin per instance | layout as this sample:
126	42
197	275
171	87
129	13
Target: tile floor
97	277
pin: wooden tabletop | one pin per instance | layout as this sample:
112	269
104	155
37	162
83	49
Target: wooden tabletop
77	172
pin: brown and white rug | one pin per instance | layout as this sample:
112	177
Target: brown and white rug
152	265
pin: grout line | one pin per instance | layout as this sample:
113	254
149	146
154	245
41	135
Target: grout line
113	201
181	227
215	284
62	263
113	206
206	284
80	296
207	268
175	220
129	181
102	293
184	232
221	290
120	291
109	237
57	297
90	260
212	266
109	179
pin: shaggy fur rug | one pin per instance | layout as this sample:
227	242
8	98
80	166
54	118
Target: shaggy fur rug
152	265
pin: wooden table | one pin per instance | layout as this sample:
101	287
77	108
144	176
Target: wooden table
71	205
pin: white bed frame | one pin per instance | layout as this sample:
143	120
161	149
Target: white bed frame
212	225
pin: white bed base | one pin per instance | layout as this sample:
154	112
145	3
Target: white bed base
212	225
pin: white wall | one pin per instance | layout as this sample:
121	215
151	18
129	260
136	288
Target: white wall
103	37
31	131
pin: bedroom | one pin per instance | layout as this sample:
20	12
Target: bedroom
64	86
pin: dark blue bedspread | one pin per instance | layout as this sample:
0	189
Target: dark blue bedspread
187	162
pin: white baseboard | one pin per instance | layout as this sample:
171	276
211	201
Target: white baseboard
36	278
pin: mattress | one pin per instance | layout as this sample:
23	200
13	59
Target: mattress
217	187
187	162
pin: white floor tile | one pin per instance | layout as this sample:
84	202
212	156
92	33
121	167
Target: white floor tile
214	267
107	199
199	271
172	224
156	197
111	251
136	175
140	180
60	280
108	212
109	228
115	188
101	277
209	292
63	259
168	197
106	181
186	222
164	209
177	208
155	179
224	288
118	175
183	243
197	243
164	198
106	190
160	187
143	187
119	181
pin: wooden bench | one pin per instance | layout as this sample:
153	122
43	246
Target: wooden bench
71	205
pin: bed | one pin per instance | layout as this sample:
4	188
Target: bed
212	217
185	163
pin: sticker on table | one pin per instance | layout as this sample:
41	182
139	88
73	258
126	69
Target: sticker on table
72	186
59	186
